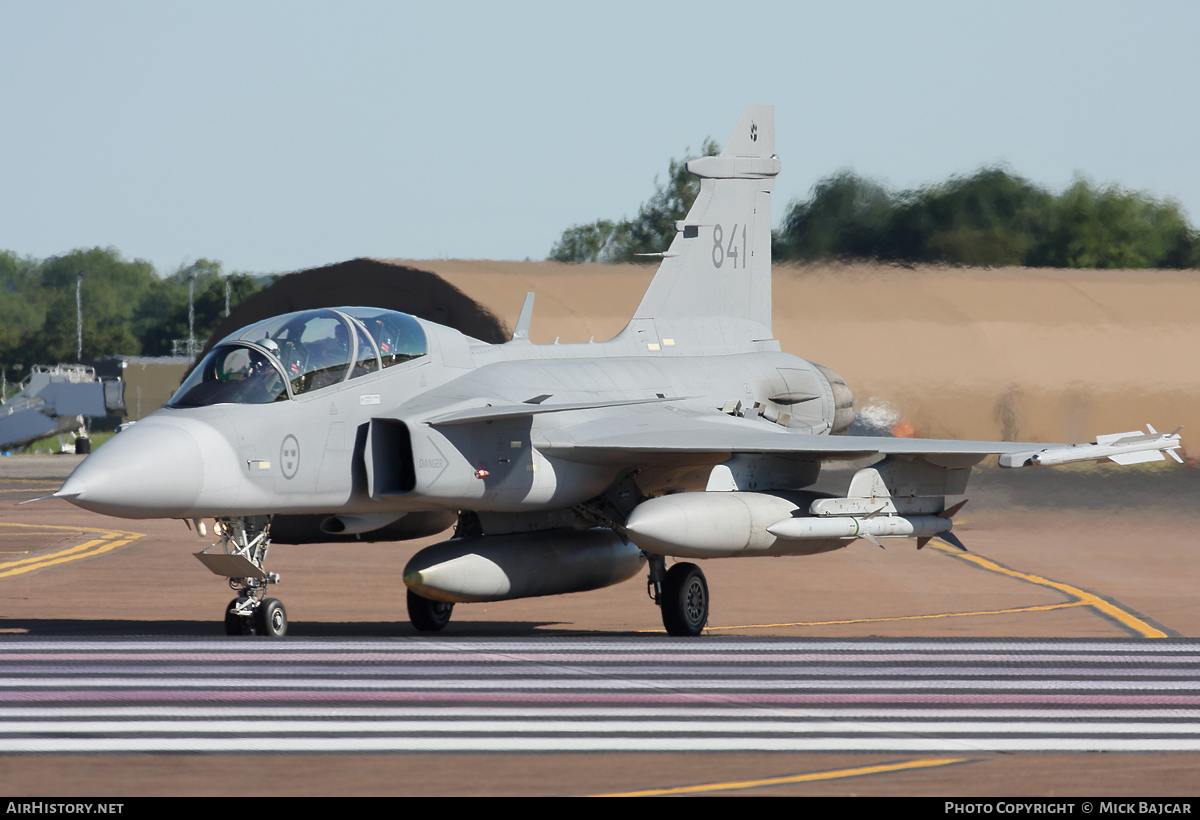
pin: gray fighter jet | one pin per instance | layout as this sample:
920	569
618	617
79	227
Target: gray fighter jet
567	467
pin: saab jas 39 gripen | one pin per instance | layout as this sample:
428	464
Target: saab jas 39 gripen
566	467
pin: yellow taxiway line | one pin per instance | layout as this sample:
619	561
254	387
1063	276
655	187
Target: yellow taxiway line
25	489
1079	596
108	540
858	771
1127	619
1039	608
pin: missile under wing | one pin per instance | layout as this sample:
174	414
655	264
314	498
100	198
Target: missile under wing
563	467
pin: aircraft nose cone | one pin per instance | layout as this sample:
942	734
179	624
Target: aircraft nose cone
147	471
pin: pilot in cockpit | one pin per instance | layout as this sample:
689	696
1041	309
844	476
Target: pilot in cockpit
329	357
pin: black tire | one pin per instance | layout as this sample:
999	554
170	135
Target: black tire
270	619
685	601
235	624
427	615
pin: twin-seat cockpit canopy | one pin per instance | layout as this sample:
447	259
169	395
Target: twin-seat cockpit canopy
297	353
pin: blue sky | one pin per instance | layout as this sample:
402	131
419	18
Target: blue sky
278	136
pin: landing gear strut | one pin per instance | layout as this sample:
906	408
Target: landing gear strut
244	543
235	623
682	594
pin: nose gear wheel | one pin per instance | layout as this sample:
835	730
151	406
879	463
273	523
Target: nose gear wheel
244	544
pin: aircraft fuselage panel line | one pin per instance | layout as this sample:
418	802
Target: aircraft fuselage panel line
479	695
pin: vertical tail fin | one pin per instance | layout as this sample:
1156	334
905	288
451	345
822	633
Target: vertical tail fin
713	288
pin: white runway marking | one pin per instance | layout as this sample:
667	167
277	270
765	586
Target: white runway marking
650	694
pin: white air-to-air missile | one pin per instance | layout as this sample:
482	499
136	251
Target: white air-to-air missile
1134	447
565	467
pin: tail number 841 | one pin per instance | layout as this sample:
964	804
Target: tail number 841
734	252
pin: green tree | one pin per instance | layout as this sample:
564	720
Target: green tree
112	292
127	308
847	216
651	231
992	217
1110	227
593	242
22	306
164	317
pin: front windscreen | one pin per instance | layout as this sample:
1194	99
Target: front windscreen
232	374
314	346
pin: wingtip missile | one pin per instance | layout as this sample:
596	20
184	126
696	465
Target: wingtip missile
1133	447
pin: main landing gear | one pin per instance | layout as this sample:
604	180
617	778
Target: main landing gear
682	594
427	615
244	543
